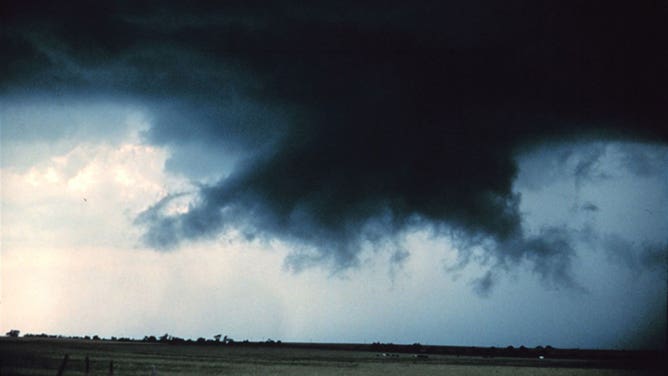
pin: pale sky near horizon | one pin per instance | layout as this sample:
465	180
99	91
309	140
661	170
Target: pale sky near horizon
462	175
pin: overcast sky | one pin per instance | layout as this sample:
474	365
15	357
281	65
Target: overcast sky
475	173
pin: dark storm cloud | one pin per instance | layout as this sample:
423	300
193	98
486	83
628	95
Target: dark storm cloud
589	206
644	161
550	252
483	285
587	167
353	122
638	257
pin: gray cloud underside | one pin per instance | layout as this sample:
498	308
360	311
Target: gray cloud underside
351	123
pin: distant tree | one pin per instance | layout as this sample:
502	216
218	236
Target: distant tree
201	340
164	338
176	340
13	333
217	337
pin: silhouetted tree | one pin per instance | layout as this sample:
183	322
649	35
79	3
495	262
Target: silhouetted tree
13	333
176	340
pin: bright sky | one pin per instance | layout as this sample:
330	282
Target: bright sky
73	263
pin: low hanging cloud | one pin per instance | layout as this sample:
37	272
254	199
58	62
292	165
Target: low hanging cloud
349	124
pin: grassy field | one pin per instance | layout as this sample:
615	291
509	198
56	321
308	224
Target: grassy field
29	356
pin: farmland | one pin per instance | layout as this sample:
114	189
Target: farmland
44	356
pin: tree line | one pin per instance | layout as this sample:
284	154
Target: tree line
217	339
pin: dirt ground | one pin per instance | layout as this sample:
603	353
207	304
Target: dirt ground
44	357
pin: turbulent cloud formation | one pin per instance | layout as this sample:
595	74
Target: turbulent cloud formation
334	126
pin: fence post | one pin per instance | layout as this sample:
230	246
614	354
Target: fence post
111	367
87	366
62	365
